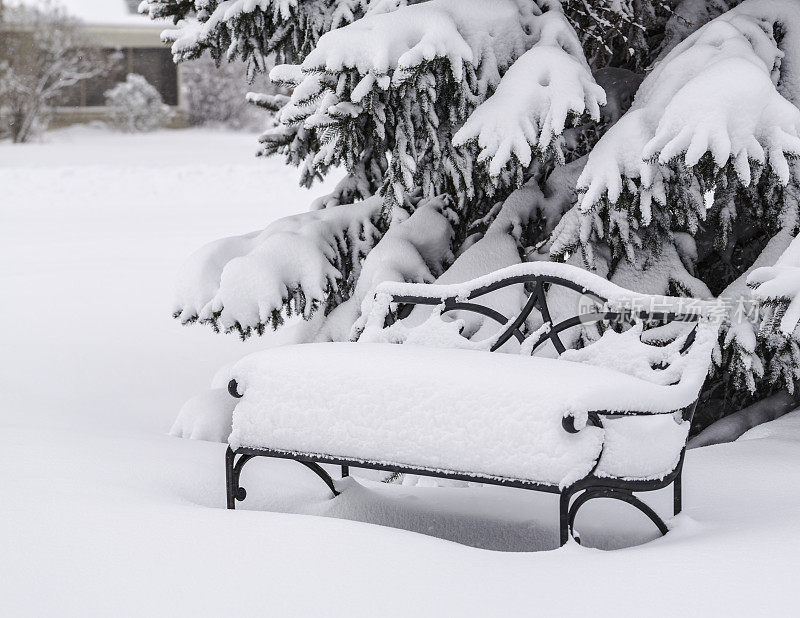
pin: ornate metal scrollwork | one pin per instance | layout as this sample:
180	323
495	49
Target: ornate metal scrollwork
233	472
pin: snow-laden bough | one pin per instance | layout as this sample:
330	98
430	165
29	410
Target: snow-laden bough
725	93
546	86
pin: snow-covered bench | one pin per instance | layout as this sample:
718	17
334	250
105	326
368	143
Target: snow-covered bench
605	420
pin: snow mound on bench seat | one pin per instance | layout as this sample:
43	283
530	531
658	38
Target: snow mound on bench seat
467	411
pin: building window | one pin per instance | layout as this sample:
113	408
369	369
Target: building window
157	67
154	64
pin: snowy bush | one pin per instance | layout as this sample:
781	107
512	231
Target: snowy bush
651	142
136	105
216	95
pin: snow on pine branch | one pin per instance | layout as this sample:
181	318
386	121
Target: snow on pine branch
296	265
711	105
547	85
755	347
778	287
253	29
600	22
416	248
393	45
405	81
714	93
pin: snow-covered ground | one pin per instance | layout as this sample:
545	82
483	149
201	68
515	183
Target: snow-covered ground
102	513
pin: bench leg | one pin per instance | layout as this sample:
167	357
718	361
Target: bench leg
229	473
233	470
317	469
614	494
677	492
563	517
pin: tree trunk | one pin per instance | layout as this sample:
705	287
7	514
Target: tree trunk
16	125
729	428
27	123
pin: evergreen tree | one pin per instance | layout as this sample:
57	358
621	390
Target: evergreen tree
651	141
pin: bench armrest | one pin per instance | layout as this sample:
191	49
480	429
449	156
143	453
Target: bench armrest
572	425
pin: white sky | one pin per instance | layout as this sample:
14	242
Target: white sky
98	11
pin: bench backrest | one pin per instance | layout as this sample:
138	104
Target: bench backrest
609	302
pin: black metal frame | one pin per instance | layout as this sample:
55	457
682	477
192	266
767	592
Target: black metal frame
586	489
537	299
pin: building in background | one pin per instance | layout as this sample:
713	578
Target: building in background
118	30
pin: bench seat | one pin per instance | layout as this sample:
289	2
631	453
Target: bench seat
455	410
